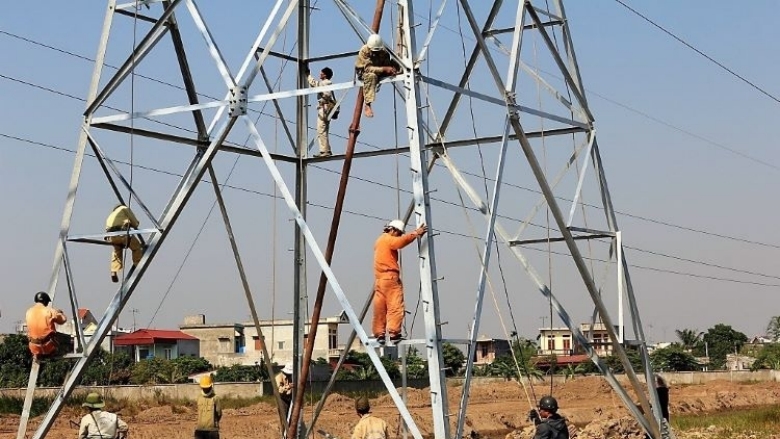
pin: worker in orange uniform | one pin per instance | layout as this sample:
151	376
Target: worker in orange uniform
41	329
122	219
388	290
372	64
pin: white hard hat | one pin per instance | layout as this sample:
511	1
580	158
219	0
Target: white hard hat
375	42
397	224
288	369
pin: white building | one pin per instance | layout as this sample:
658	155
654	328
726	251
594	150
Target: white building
225	344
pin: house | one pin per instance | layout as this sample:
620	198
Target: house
560	342
226	344
88	325
739	362
157	343
488	349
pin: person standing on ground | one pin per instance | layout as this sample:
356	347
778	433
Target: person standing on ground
388	289
285	385
369	427
99	424
372	64
549	424
122	219
209	411
41	327
663	399
325	104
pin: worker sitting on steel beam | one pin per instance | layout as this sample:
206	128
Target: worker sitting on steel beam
549	424
372	64
209	411
44	340
388	289
122	219
325	104
369	426
99	424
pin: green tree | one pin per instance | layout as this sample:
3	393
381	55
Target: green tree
363	360
15	361
614	363
768	357
239	374
689	338
773	328
453	358
722	340
673	358
416	366
152	371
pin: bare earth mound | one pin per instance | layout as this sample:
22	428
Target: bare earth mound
496	410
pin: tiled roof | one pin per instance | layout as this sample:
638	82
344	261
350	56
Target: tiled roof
151	336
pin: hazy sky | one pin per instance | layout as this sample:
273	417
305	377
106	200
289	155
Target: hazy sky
688	150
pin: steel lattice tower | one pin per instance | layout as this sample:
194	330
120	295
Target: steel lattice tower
497	75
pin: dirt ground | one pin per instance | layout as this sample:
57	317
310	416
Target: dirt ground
496	410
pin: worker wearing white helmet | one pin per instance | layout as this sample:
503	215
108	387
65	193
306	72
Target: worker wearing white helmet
373	62
388	289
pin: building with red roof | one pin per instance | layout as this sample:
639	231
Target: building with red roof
157	343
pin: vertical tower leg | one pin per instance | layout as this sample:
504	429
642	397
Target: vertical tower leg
422	214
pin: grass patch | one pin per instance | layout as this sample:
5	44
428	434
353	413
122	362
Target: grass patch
761	421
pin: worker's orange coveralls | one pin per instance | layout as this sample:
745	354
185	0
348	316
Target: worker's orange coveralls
41	330
388	290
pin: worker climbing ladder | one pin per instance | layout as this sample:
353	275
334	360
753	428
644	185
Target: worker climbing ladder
428	149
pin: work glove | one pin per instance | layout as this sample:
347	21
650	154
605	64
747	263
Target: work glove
534	417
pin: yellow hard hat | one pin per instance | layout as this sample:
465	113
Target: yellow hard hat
206	382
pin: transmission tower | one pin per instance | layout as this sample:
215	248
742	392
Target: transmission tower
512	102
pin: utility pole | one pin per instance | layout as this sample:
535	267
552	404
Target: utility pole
134	311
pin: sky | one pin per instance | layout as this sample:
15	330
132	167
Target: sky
688	151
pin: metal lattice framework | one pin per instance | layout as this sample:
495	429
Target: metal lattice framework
496	48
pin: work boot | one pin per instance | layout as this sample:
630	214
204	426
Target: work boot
395	338
114	277
323	154
381	340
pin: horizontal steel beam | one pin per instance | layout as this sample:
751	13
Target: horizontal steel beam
558	239
333	56
133	15
278	54
232	148
292	159
506	30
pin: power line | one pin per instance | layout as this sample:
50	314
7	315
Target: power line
536	191
453	233
178	87
589	91
57	92
708	57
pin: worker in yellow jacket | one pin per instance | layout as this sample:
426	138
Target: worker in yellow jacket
122	219
369	427
209	411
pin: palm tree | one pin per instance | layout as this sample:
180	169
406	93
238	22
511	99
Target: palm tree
773	328
690	338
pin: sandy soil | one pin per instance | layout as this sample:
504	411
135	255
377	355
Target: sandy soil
496	410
